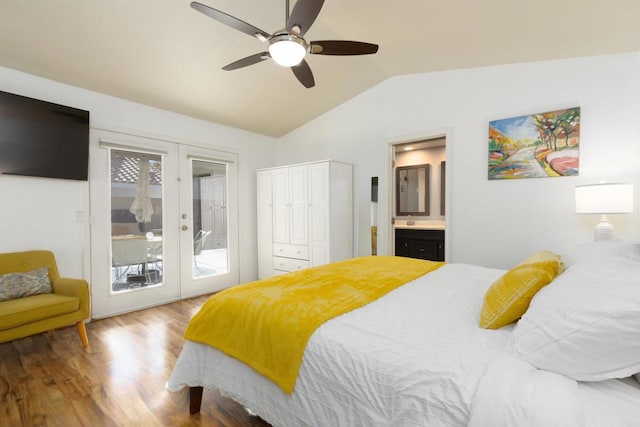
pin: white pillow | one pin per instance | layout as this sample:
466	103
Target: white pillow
586	323
589	250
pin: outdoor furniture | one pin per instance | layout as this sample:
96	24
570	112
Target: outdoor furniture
198	244
129	251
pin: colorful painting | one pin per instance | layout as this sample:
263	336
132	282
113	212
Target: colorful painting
535	146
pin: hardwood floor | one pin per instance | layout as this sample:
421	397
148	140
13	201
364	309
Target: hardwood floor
49	380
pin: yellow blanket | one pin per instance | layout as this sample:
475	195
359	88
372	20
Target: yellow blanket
266	324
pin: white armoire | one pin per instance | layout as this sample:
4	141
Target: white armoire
305	216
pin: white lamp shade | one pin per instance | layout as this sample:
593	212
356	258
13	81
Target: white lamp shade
287	51
604	199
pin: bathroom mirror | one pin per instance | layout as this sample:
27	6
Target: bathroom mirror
412	190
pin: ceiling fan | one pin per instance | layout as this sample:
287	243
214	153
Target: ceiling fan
288	47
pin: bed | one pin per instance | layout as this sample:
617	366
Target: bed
417	356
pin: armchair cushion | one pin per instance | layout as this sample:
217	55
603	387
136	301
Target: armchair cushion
21	311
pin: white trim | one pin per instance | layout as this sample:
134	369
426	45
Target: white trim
210	159
127	133
306	163
105	143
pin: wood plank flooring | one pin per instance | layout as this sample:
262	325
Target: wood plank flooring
49	380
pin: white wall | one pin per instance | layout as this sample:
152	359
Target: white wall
492	223
40	213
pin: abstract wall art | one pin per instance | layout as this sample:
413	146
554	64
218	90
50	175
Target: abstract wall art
535	146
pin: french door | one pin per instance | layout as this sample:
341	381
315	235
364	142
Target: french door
208	221
164	222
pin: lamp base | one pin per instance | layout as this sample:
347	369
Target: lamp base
604	230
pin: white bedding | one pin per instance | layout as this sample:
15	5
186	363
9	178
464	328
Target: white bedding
514	393
611	402
413	358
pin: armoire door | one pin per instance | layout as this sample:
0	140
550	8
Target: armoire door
291	205
319	179
281	205
299	204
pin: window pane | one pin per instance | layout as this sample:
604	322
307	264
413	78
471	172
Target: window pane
210	255
136	220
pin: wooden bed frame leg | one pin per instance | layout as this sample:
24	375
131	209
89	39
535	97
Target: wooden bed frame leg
195	399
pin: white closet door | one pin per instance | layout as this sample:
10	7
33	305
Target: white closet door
281	206
319	213
299	203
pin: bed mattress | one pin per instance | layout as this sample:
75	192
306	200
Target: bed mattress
411	358
415	357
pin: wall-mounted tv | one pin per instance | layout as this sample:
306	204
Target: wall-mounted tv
39	138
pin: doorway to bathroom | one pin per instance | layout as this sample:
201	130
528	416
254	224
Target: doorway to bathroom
419	177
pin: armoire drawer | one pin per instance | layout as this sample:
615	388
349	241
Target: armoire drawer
290	251
289	264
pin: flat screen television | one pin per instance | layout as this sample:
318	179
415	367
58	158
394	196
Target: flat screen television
39	138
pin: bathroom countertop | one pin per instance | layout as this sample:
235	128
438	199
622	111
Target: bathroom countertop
421	225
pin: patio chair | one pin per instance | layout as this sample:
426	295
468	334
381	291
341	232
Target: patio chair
198	244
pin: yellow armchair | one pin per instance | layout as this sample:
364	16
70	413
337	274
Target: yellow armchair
66	305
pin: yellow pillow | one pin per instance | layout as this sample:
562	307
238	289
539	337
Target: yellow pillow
509	296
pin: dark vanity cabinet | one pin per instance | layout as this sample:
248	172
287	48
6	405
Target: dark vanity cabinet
417	243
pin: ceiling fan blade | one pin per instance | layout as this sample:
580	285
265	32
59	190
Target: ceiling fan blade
341	47
245	62
303	14
231	21
303	73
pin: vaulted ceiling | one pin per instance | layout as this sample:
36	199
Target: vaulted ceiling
165	54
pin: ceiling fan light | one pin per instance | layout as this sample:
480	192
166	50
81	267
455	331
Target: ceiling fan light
287	50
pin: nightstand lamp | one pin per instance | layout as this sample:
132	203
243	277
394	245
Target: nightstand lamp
604	199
